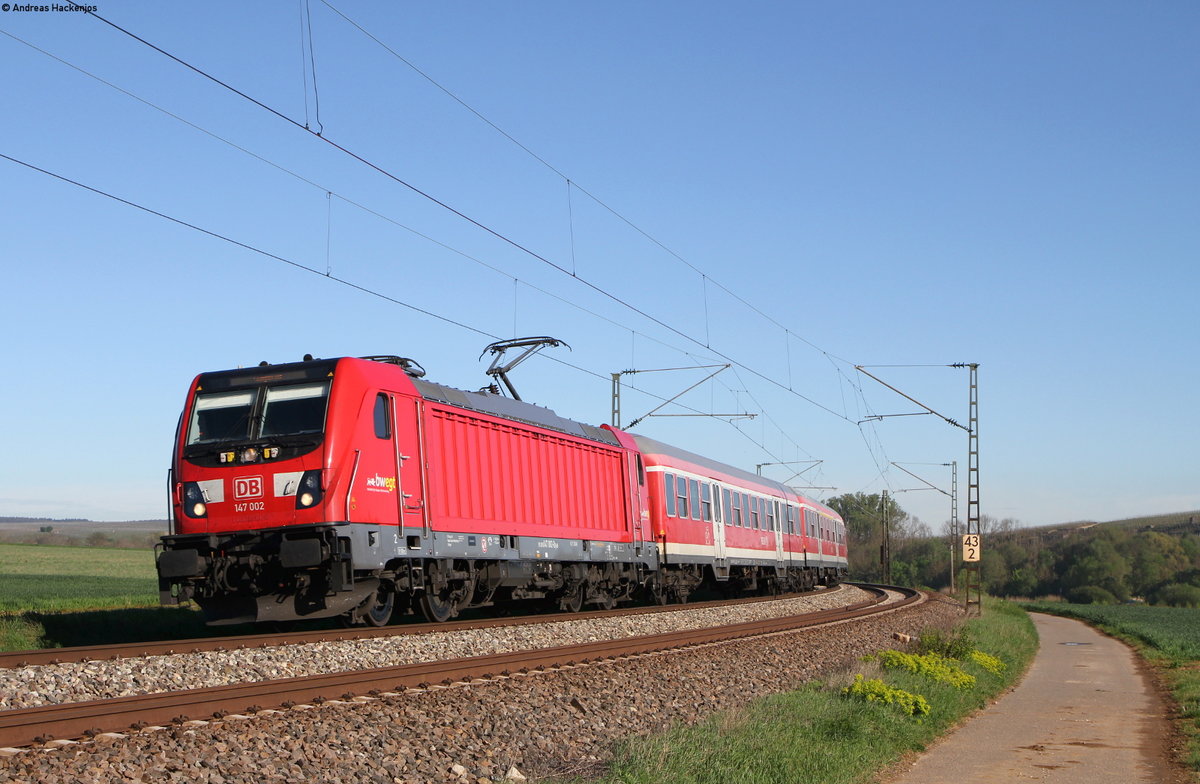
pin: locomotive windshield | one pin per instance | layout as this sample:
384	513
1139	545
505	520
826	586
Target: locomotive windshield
262	412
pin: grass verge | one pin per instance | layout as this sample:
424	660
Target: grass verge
1168	638
818	734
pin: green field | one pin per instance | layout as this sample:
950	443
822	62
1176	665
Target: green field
36	578
1171	631
52	596
1167	637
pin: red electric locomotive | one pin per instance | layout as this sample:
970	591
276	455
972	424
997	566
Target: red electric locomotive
344	486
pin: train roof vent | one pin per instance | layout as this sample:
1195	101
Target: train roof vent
411	366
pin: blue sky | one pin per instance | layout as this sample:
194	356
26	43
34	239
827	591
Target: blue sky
1013	184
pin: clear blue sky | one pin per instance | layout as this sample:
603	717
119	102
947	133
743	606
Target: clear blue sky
1008	183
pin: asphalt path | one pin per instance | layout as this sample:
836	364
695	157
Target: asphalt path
1086	713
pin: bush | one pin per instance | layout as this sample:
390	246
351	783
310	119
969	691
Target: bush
953	644
876	690
989	662
1090	594
1178	595
929	665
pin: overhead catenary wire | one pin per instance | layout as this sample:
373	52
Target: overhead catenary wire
299	266
489	230
551	167
572	273
517	283
330	193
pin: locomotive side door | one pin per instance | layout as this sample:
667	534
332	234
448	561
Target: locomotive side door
639	508
409	438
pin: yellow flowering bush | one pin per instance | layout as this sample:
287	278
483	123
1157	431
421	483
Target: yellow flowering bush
988	662
929	665
875	690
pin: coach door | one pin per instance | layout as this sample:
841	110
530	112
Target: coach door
780	511
718	523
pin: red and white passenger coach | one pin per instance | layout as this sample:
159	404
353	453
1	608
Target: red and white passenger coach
353	486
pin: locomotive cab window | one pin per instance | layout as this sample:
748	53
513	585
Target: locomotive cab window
242	415
221	416
294	410
382	427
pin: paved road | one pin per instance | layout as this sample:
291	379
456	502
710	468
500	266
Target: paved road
1085	714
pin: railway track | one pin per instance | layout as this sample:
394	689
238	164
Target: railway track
63	723
84	653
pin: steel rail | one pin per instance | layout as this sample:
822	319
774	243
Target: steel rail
85	653
29	726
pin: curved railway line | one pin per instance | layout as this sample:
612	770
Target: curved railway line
59	724
85	653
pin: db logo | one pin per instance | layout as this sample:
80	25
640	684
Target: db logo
248	487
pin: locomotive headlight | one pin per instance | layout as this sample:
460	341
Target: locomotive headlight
250	454
194	502
310	492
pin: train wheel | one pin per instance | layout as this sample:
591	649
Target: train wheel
436	609
379	609
572	602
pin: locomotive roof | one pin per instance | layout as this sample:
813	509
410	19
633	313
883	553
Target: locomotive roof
501	406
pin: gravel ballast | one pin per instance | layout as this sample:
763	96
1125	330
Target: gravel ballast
520	726
47	684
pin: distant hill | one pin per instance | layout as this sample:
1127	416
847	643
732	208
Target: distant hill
1174	523
53	520
75	532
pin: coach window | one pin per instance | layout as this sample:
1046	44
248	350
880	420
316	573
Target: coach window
694	487
754	513
728	508
706	511
382	427
772	515
669	492
736	517
717	503
681	495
